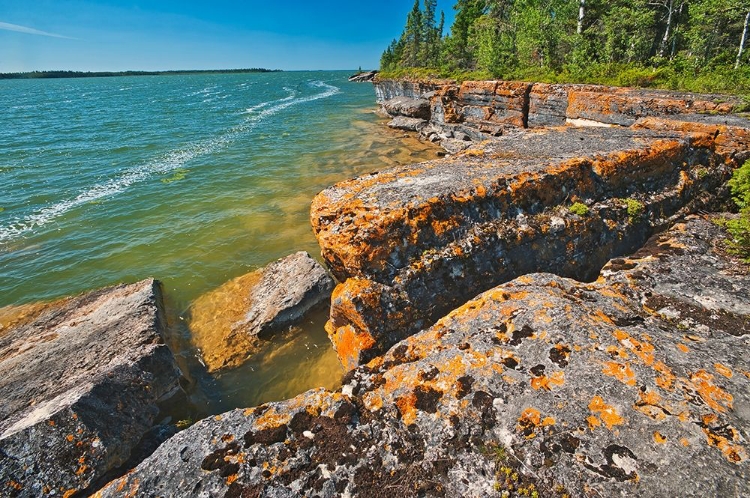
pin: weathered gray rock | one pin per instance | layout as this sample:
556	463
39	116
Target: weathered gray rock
227	323
540	385
388	89
408	107
407	124
363	77
80	380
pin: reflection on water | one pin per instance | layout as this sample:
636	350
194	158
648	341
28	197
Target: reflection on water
302	358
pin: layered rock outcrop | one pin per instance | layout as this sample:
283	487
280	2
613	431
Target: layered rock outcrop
80	380
490	107
632	385
230	323
412	243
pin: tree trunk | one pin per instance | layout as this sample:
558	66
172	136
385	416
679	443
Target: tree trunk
742	42
581	14
676	27
667	31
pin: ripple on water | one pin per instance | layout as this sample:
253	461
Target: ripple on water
123	185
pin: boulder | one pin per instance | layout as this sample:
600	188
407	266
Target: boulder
407	124
633	385
80	381
423	239
408	107
229	323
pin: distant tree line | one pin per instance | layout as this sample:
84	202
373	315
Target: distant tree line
105	74
576	38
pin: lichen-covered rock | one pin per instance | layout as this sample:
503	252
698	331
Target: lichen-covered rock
732	132
494	101
484	105
540	386
407	107
228	323
623	106
435	234
80	380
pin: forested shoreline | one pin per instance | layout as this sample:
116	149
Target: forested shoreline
695	45
109	74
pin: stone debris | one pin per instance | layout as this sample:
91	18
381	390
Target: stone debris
230	323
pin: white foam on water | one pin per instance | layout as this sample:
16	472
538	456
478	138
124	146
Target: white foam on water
163	164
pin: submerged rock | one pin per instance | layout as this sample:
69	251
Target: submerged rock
542	385
80	380
227	323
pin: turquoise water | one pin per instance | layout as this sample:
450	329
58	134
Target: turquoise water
190	179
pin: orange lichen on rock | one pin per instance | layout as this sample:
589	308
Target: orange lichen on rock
659	438
349	343
723	370
649	404
666	378
607	413
547	382
642	349
714	396
531	420
620	371
732	451
407	408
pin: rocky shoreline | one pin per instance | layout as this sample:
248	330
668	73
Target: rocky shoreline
547	311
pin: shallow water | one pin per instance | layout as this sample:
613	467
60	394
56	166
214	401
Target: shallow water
193	180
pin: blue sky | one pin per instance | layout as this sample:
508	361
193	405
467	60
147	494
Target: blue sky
116	35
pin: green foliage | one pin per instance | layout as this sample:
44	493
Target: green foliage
740	186
739	228
635	209
642	43
579	208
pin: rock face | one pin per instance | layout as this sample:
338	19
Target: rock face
228	323
632	385
490	107
80	380
412	243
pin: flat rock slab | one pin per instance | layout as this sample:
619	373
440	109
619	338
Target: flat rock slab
228	323
542	385
80	380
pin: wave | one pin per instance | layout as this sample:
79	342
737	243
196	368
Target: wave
163	164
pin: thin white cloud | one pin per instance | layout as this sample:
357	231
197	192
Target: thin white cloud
31	31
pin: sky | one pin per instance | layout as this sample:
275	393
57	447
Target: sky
153	35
